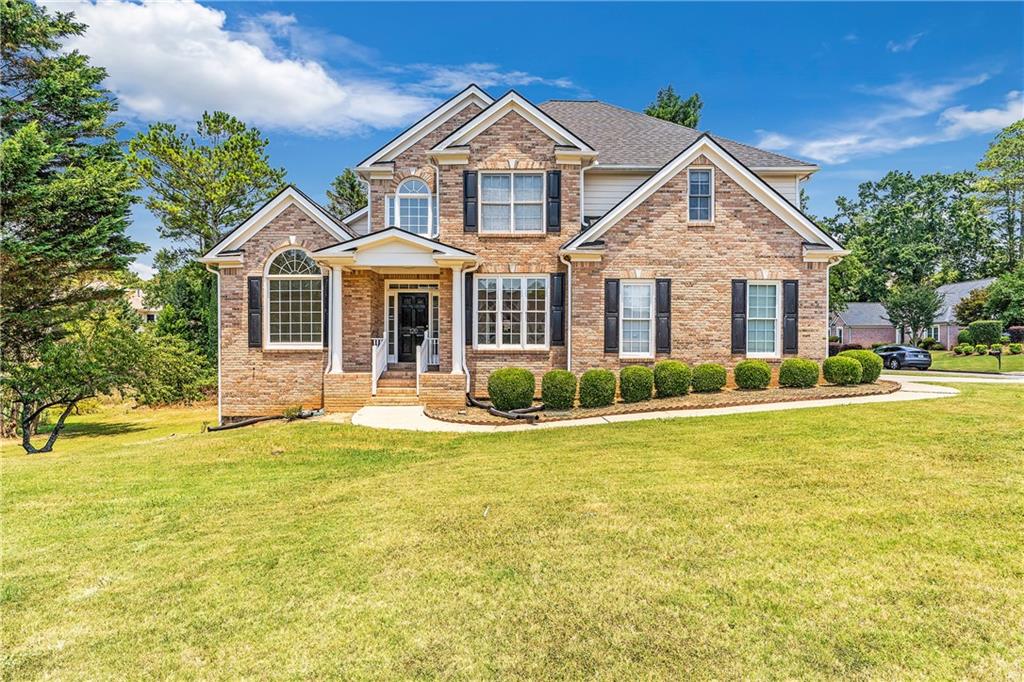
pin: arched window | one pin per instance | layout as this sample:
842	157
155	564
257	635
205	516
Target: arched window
410	208
294	300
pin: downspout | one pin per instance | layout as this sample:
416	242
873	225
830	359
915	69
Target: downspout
219	416
437	197
568	312
828	303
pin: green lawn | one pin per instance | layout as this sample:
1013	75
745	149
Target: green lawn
866	541
949	360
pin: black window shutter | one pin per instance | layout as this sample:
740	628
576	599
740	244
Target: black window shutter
739	316
663	315
469	204
255	291
558	309
554	201
468	322
327	309
790	306
611	316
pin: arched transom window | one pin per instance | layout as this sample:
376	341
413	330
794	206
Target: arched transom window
295	300
412	208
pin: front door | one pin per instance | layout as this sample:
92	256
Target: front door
413	311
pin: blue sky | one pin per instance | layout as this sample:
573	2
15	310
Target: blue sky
857	88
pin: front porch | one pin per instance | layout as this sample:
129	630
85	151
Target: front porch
395	318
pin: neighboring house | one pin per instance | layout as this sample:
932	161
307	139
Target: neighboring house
868	323
137	300
471	255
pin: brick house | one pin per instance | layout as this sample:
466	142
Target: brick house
573	234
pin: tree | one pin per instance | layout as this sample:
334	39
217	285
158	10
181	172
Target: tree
64	185
911	230
669	106
971	307
1003	188
347	194
1006	298
844	281
912	307
201	186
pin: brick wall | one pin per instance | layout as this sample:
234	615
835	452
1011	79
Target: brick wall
866	336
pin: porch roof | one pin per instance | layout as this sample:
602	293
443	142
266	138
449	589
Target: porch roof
394	247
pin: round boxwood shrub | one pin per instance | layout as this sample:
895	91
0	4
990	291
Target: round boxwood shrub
981	349
672	378
753	374
798	373
966	349
558	389
597	388
511	388
708	378
636	383
964	337
1016	348
841	370
870	364
986	331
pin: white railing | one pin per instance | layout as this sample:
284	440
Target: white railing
378	362
422	357
435	351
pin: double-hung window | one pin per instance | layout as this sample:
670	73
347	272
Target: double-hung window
511	311
700	195
412	208
294	301
512	202
637	320
763	319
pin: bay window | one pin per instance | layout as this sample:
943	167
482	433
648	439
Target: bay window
636	314
512	202
511	312
763	319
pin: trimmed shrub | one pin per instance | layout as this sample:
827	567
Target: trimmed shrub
708	378
672	378
1004	339
958	349
1016	348
558	389
927	343
798	373
937	346
636	383
966	349
752	374
964	337
850	346
981	349
870	364
878	345
995	348
842	370
597	388
1016	334
833	339
833	349
985	331
511	388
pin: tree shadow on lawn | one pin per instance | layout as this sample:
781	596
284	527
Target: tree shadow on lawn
77	429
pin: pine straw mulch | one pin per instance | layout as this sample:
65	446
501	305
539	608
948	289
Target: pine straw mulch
727	398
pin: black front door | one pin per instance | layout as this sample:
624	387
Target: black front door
413	310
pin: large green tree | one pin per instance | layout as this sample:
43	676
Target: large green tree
347	194
1005	299
66	190
1002	186
912	307
669	106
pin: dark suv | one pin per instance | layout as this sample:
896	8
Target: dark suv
898	357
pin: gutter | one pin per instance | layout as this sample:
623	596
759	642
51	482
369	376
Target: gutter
219	401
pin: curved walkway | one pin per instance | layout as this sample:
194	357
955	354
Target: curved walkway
916	387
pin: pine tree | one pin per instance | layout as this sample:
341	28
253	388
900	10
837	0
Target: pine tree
347	194
671	107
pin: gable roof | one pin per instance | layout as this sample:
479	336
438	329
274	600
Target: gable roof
472	94
743	176
864	315
513	101
227	247
954	293
628	138
394	247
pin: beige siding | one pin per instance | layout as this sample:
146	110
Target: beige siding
361	225
786	185
601	191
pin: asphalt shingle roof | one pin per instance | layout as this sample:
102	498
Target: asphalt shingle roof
874	315
865	315
627	138
953	293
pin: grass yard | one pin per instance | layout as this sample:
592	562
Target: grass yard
948	360
867	541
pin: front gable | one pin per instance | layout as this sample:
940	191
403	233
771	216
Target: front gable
393	247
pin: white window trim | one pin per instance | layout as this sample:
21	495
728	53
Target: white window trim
498	345
711	214
839	334
934	328
778	318
265	313
651	319
512	200
393	213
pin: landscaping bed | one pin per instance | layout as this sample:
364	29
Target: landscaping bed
692	401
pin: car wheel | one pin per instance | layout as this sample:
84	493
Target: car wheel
894	363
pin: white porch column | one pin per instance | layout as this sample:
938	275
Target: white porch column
458	314
335	334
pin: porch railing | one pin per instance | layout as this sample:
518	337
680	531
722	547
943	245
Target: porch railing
422	359
378	362
434	356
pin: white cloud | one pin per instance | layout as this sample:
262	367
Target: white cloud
142	270
905	45
448	78
900	122
851	37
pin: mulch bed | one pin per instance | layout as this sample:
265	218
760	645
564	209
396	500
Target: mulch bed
693	401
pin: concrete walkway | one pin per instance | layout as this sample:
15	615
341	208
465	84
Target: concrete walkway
917	387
